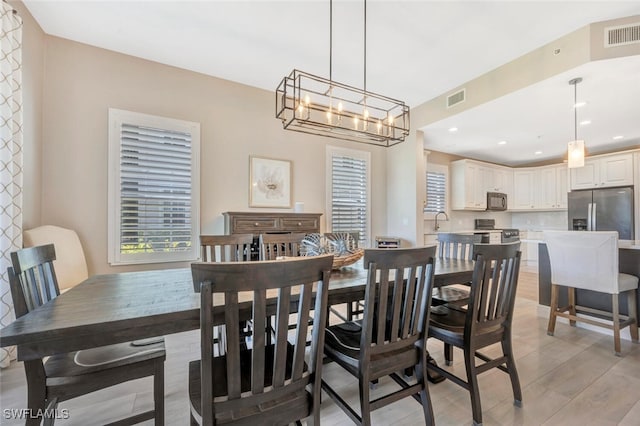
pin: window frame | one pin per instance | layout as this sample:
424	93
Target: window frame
437	168
117	118
332	151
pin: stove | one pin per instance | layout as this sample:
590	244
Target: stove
508	235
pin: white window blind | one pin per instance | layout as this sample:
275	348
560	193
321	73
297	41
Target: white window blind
155	193
436	192
349	192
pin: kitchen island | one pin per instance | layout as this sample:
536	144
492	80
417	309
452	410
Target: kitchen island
629	263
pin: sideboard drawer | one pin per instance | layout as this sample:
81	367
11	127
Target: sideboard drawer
298	224
242	225
257	223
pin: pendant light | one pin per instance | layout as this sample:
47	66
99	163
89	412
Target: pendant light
576	147
311	104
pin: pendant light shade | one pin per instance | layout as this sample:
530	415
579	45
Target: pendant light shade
575	152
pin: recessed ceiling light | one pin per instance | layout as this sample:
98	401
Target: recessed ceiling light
585	122
617	138
502	143
453	129
538	152
579	104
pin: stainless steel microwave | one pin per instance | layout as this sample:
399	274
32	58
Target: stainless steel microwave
496	201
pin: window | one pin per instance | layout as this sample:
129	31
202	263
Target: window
348	192
437	176
154	188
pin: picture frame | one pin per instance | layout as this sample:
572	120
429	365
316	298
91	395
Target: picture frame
269	182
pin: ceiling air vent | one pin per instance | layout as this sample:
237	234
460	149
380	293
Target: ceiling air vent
621	35
455	98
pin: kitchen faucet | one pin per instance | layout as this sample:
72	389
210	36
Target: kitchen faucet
436	226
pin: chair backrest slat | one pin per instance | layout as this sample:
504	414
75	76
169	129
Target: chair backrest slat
36	275
397	299
273	246
226	248
249	290
493	287
457	246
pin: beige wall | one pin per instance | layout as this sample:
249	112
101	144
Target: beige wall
32	76
82	82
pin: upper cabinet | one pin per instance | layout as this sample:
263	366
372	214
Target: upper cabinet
604	171
540	188
471	180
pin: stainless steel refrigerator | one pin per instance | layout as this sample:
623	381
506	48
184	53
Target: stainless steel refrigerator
609	209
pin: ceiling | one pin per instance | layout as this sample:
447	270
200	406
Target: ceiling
416	50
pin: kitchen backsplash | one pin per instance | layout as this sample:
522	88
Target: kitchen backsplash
534	221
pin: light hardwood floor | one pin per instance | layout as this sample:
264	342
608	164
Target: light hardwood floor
572	378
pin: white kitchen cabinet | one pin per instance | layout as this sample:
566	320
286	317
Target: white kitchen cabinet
498	179
603	171
468	188
551	187
539	188
523	190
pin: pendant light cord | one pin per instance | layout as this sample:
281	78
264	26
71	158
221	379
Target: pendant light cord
330	40
575	111
365	47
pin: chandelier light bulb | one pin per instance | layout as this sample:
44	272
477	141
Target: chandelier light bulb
355	122
307	99
340	107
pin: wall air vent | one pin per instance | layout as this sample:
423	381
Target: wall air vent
621	35
456	98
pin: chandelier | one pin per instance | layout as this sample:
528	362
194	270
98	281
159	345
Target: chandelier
311	104
575	153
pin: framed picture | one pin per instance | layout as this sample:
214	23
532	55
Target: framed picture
269	182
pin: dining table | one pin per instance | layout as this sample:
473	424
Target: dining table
114	308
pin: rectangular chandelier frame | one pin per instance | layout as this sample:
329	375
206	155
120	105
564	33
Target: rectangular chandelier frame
311	104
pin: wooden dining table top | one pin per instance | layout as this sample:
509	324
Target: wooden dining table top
114	308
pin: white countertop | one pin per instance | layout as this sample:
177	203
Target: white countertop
623	244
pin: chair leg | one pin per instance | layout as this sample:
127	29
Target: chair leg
571	297
420	372
472	380
193	421
365	406
632	296
448	354
615	311
552	310
50	417
507	349
158	393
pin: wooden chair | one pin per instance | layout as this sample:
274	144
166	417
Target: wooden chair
453	246
69	375
266	384
226	248
392	334
486	321
273	246
589	260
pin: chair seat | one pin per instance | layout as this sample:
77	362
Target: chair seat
449	294
627	282
102	358
297	404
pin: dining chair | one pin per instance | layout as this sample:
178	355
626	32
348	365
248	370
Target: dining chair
226	248
273	246
70	263
267	383
453	246
486	321
392	335
589	260
64	376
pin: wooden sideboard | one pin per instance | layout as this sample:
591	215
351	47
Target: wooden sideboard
267	222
